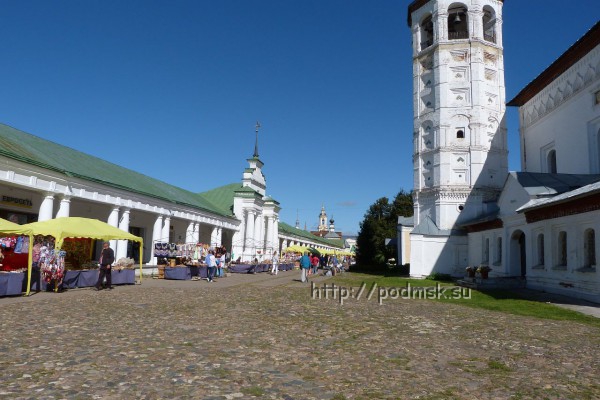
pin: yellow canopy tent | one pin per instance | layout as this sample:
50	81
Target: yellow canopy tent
295	249
76	227
8	228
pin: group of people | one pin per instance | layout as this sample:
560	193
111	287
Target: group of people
215	263
309	264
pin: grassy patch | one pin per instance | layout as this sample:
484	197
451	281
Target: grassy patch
509	302
496	300
339	396
254	391
498	366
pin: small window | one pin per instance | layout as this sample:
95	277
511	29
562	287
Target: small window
562	249
597	97
589	248
460	134
552	162
540	249
486	251
499	250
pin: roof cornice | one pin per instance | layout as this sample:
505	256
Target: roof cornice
576	52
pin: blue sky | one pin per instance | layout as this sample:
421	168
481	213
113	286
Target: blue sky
172	89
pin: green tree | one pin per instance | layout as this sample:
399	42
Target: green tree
380	222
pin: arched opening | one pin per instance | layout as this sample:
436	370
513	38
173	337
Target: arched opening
589	248
489	24
458	26
518	259
551	161
460	134
426	32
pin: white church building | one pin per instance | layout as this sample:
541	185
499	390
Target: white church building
538	224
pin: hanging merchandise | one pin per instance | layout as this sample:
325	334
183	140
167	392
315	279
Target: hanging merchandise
52	265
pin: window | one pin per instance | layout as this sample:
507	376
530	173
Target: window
486	251
597	97
551	161
562	249
426	33
458	27
589	248
460	134
540	249
499	250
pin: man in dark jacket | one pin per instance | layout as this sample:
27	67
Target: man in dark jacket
106	259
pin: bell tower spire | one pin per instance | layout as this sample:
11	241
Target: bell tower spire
257	127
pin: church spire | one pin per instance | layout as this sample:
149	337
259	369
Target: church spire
256	143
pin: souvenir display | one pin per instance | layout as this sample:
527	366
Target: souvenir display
52	265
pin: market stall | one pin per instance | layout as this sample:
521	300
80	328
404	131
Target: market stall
75	228
12	277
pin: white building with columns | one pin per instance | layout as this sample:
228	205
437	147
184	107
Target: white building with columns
460	157
41	180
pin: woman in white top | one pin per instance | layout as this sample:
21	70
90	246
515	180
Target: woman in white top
222	265
275	266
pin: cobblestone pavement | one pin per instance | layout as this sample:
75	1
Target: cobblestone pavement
263	336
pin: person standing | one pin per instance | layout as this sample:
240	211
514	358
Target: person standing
210	264
304	267
107	257
275	266
222	265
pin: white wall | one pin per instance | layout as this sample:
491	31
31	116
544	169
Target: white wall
563	116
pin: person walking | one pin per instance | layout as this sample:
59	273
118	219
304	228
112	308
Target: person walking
314	261
275	266
304	267
107	257
210	264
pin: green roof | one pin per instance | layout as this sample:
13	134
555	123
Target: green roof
34	150
223	196
290	230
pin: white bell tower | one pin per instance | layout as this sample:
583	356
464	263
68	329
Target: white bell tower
460	158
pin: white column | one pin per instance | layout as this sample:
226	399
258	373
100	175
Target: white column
237	242
259	237
249	246
275	234
124	226
65	207
213	236
46	208
113	220
166	230
219	236
189	233
269	245
156	233
197	232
